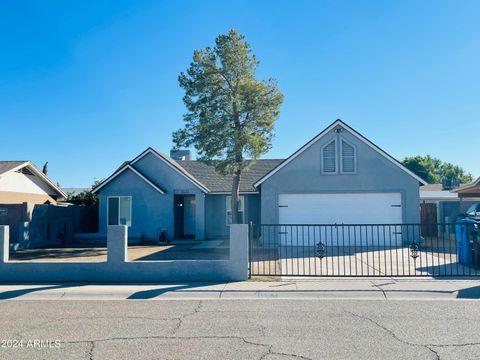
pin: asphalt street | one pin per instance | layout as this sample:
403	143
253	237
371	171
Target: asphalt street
240	329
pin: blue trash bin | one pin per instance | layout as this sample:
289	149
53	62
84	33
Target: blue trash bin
464	248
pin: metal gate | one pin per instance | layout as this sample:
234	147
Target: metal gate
341	250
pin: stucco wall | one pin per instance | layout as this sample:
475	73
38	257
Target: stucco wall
22	183
215	212
118	269
13	215
34	225
215	220
150	209
253	208
374	174
9	197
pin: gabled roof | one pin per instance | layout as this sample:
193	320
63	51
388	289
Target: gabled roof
218	183
468	187
7	166
10	166
336	123
121	169
173	164
201	174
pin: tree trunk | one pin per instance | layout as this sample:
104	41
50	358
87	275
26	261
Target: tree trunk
236	199
238	161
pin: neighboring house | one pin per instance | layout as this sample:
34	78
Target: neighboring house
337	177
21	181
443	204
469	191
26	196
438	204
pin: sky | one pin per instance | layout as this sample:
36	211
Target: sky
86	85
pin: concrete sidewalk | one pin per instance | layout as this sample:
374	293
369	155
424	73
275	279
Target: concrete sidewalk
291	289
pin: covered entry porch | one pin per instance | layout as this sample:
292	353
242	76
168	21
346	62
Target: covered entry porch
189	215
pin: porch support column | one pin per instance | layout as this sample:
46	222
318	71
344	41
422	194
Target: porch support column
200	216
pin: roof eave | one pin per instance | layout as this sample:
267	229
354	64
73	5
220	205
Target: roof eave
467	186
45	179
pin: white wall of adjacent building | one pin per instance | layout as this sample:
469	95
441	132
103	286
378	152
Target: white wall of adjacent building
18	182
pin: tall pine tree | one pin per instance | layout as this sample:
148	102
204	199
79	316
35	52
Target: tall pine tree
230	114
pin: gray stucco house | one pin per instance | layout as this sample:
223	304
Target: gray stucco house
337	177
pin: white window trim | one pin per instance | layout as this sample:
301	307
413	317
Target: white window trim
226	208
340	159
108	209
322	168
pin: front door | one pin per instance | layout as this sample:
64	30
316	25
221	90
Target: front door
189	216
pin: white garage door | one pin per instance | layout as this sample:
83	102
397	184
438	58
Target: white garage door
340	208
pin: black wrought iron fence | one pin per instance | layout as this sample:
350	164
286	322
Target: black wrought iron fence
365	250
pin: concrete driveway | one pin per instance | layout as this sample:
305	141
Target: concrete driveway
339	261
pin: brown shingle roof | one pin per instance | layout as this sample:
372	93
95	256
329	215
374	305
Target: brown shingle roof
431	187
205	175
9	165
434	187
216	182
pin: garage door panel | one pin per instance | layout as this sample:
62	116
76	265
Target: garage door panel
343	208
354	236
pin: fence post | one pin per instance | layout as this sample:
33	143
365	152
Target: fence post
239	250
4	243
117	244
24	234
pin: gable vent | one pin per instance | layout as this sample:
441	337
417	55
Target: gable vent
329	161
348	157
25	171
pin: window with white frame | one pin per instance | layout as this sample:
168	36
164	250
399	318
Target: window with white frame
348	158
119	210
241	209
329	157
